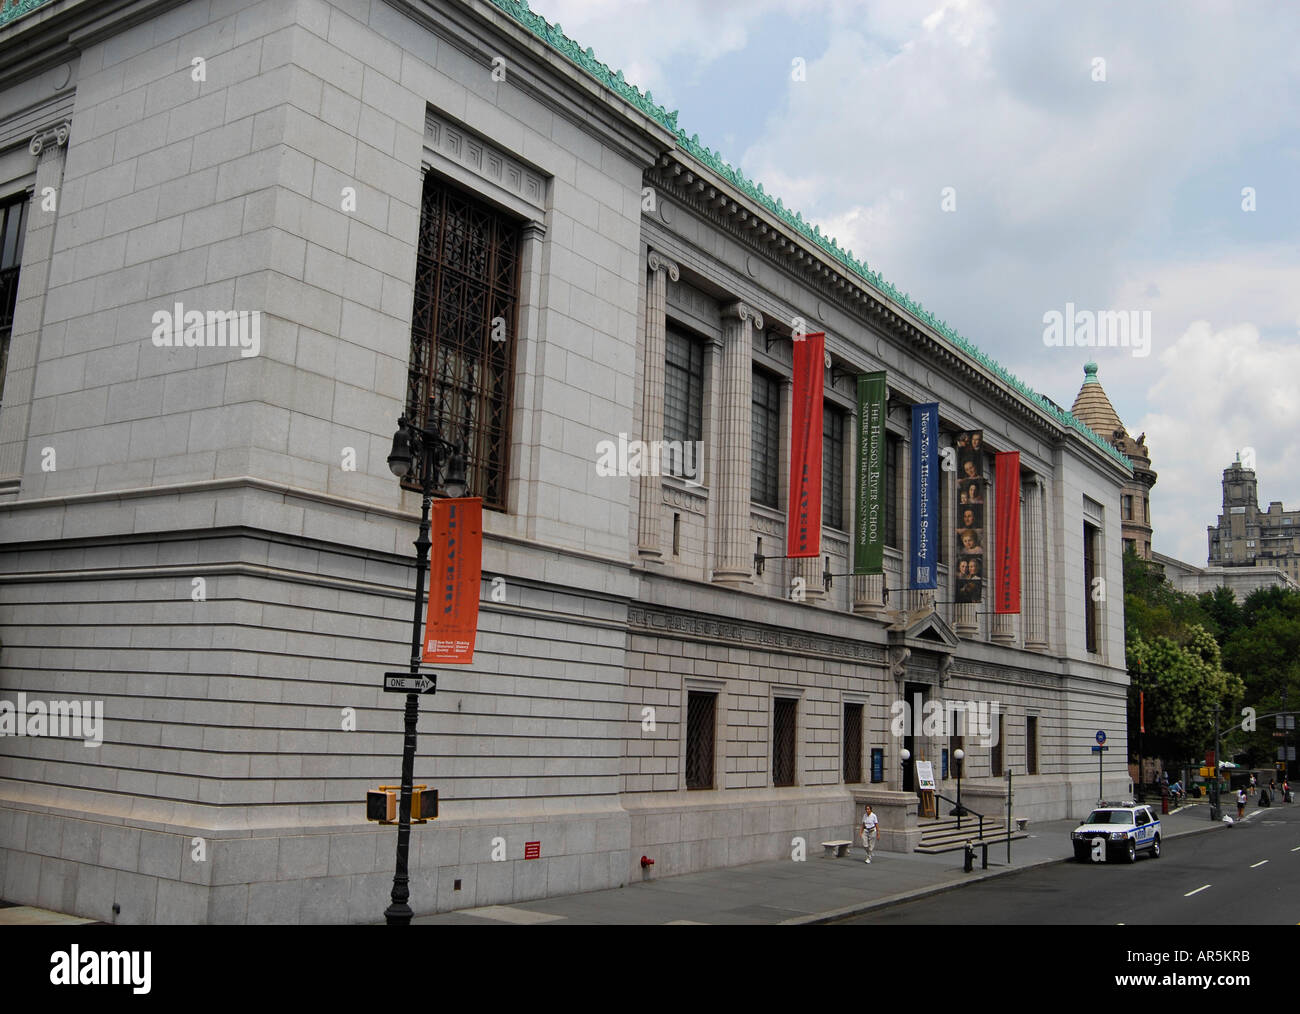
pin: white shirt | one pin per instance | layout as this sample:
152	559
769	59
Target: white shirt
869	823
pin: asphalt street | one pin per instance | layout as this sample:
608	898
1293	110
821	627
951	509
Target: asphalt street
1249	873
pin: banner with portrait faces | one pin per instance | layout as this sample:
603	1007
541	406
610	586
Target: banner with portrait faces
969	518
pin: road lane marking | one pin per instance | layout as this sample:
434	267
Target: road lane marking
1296	849
1197	891
1260	863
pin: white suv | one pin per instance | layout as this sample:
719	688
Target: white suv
1114	830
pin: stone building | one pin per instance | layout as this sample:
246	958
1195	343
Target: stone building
1241	581
1246	536
450	199
1094	409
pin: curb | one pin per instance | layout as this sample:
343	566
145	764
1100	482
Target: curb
860	908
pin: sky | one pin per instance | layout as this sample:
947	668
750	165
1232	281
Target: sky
999	160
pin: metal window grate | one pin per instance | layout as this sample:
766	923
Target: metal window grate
765	452
833	468
701	723
683	388
783	740
462	331
853	743
1031	745
1089	573
997	750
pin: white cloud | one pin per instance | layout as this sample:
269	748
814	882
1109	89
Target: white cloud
1221	390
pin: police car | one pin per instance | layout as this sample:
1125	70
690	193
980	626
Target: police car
1116	830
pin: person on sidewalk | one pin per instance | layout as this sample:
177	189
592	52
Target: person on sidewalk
1286	791
870	831
1241	804
1252	784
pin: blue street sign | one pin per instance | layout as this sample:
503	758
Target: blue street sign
1101	737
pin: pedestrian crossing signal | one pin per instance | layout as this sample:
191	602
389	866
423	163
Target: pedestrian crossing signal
381	806
424	805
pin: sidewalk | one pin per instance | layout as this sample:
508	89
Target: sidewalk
781	892
789	893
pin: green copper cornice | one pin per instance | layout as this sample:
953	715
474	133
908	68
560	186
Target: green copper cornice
554	37
13	9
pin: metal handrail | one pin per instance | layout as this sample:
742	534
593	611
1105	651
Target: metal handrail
961	807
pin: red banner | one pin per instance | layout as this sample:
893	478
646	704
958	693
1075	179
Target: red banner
455	572
1006	577
1142	711
804	525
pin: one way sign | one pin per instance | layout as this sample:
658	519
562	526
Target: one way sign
405	683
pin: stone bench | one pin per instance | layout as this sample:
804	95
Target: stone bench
836	849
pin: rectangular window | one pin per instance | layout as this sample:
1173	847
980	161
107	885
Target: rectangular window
701	723
833	468
1130	544
1031	745
877	765
784	712
765	450
461	372
852	743
997	749
1089	574
13	230
1126	507
683	391
893	490
1146	509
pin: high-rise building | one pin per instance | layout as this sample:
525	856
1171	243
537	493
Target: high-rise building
1245	536
1093	407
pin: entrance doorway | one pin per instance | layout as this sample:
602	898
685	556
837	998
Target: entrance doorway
915	695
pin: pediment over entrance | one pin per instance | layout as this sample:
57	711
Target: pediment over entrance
929	632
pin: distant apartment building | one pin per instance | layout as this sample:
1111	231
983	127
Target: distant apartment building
1245	536
1093	408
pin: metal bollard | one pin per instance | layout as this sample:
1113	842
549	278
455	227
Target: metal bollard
969	867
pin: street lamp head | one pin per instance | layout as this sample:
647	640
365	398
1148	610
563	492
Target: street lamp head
906	755
400	457
959	754
455	483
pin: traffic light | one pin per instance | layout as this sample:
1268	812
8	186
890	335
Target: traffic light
424	805
381	806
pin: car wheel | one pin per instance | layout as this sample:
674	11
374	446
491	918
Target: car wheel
1155	847
1132	850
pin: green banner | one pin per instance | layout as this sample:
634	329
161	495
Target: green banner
869	529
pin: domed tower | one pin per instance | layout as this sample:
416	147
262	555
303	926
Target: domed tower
1093	408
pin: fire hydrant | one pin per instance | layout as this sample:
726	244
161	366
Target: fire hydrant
970	857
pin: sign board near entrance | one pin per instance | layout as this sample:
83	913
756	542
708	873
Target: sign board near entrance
925	776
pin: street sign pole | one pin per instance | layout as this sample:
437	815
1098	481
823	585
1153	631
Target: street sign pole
399	911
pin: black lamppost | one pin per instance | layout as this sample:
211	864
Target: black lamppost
413	444
959	756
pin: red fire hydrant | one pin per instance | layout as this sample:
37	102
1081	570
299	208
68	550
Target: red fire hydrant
646	861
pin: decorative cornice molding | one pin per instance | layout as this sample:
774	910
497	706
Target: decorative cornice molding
658	262
12	10
57	135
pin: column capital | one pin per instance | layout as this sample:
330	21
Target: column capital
533	230
55	134
658	262
744	312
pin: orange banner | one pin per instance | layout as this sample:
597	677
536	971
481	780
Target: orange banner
455	572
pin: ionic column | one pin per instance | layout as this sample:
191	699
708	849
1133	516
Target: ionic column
650	505
733	557
50	148
1035	569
